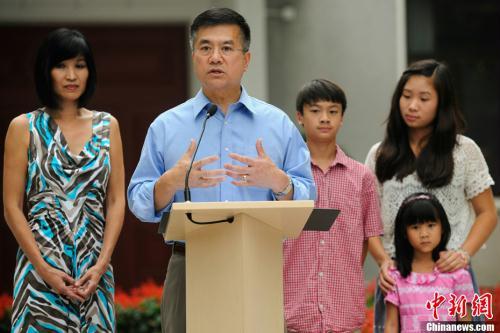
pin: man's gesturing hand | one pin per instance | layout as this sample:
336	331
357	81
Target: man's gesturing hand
258	172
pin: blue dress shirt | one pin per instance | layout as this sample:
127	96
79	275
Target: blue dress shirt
246	121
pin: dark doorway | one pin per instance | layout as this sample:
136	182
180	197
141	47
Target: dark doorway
141	71
464	34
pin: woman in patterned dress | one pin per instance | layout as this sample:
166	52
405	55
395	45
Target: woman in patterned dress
69	162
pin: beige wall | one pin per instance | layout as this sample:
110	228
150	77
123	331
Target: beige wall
358	44
485	262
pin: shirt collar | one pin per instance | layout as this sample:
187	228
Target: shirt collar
340	159
201	102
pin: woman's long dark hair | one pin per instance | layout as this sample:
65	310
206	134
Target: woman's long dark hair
418	208
434	165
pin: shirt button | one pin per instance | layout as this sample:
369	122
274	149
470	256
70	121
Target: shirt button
226	149
322	242
320	274
225	123
320	307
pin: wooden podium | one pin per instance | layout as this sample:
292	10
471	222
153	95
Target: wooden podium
234	273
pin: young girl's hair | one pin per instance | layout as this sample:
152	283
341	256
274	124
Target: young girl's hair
418	208
434	165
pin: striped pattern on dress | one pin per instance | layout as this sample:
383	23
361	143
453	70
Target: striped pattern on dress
65	200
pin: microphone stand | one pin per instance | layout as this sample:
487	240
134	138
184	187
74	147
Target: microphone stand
210	112
187	193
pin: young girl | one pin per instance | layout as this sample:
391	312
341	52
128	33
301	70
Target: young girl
423	151
421	233
67	161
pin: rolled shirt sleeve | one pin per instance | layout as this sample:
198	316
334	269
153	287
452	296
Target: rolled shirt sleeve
140	191
298	166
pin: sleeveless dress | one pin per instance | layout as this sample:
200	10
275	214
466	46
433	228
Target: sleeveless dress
65	202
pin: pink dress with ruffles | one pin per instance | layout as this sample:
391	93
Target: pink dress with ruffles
412	293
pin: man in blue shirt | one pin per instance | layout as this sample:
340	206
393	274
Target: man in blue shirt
250	150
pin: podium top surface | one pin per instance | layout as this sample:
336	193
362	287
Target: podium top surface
192	207
288	216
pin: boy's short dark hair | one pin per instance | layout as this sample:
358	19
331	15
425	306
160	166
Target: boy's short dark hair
320	90
220	16
60	45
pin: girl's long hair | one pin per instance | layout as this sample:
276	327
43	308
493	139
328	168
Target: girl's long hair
418	208
434	165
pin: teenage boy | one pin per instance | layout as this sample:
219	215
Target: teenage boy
323	271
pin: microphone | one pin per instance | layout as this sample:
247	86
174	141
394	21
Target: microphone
210	112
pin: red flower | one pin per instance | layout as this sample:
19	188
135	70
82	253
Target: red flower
370	288
125	300
134	298
5	304
495	292
148	289
368	325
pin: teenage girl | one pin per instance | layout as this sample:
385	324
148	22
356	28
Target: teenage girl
423	151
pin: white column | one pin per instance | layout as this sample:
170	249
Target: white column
256	78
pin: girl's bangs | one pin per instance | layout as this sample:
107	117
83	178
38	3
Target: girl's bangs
420	211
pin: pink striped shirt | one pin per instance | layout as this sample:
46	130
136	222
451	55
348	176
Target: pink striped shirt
323	272
413	292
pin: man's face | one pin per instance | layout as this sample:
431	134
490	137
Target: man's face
218	58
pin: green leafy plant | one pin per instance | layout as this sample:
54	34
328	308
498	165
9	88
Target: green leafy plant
138	311
142	319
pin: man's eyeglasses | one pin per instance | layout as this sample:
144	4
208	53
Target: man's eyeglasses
225	50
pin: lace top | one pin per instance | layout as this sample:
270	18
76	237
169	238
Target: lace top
470	178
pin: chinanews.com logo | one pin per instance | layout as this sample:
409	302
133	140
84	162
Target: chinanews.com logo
480	305
437	326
